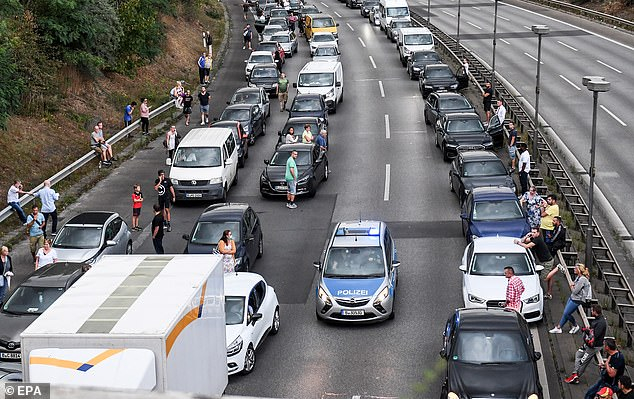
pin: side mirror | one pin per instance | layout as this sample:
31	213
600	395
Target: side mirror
337	84
463	268
396	263
337	23
443	353
228	162
317	264
228	102
537	355
168	161
215	119
294	85
279	133
246	61
255	317
111	243
266	161
463	215
539	268
186	237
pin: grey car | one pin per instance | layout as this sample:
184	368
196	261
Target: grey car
252	95
90	235
270	30
327	52
288	41
391	31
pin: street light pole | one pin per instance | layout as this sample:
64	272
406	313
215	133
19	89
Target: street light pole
458	29
428	10
539	30
495	28
596	84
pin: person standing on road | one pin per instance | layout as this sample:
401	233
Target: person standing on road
201	69
247	35
245	9
45	255
512	145
501	111
127	114
550	209
277	57
188	99
13	199
514	290
625	388
6	271
203	98
534	241
208	64
593	342
166	195
487	97
145	117
533	202
525	167
157	229
171	138
291	180
465	67
580	288
227	247
611	369
137	204
48	196
282	91
35	224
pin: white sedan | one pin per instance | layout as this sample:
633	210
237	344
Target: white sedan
484	283
322	39
257	57
252	312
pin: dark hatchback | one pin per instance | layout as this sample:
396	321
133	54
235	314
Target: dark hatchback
353	3
312	165
419	60
245	227
250	116
366	6
460	129
241	137
30	300
298	124
436	77
491	212
477	168
265	76
307	105
480	346
439	104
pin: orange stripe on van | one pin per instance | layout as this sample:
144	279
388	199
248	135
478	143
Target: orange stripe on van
186	320
50	361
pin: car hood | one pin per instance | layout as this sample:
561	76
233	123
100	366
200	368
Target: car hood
487	181
189	174
327	58
233	331
483	381
262	80
314	44
75	254
313	90
440	81
13	325
278	173
352	287
507	228
286	46
494	287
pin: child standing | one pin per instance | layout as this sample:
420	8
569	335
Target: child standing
137	203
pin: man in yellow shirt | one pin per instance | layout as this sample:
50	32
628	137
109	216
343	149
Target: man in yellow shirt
549	210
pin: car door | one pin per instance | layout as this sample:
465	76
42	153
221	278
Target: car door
318	163
247	233
454	175
267	306
388	243
110	234
430	109
121	235
257	326
496	130
266	103
466	215
257	120
257	231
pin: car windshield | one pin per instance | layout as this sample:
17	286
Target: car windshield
264	73
418	40
425	56
489	347
209	233
484	168
279	13
260	59
197	157
234	310
397	12
279	21
312	10
323	22
309	104
323	38
438	73
78	237
280	158
281	38
355	262
326	50
464	125
235	115
315	80
454	103
485	264
497	210
32	300
272	29
245	98
370	3
298	128
267	47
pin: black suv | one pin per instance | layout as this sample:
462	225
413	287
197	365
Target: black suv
439	104
436	77
366	6
477	168
250	116
480	346
460	129
241	137
298	124
418	60
312	104
265	76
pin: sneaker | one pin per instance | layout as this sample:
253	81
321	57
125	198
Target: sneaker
169	228
243	47
288	205
548	296
114	159
573	379
202	123
293	205
574	330
555	330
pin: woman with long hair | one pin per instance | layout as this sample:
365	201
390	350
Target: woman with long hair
580	288
227	248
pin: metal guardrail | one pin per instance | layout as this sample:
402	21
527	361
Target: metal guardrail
616	286
67	171
595	15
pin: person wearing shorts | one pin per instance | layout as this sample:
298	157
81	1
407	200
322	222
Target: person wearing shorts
291	180
137	203
203	98
166	195
512	145
282	91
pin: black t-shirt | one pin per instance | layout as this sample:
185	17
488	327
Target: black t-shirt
158	222
617	361
540	249
629	395
187	100
487	100
164	189
599	327
204	98
512	133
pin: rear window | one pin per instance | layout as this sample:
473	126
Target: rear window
482	347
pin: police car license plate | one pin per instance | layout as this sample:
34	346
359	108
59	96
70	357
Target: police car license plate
194	195
359	312
5	355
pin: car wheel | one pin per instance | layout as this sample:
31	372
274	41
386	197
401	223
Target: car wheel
312	188
260	247
411	74
436	140
341	98
445	155
235	179
290	54
241	162
249	360
427	121
451	184
224	194
443	392
128	248
275	326
326	172
263	129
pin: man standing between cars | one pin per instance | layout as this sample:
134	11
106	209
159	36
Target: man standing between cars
549	210
322	140
36	224
525	167
291	180
538	247
591	345
48	196
157	229
247	34
501	111
514	290
611	369
487	97
166	195
512	145
203	98
282	91
13	199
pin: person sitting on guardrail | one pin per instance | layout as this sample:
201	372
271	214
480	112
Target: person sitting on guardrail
13	199
176	94
100	146
592	343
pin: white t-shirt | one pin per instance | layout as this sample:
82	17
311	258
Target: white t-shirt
525	158
171	140
501	113
45	259
13	195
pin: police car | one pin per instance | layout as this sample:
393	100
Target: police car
358	278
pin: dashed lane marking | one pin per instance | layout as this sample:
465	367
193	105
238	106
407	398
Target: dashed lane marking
569	82
612	115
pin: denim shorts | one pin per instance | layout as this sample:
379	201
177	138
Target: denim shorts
512	151
204	109
292	186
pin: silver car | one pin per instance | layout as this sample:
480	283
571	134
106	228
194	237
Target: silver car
288	41
252	95
391	31
90	235
327	52
257	57
322	39
270	30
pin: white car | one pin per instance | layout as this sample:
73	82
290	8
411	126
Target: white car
252	312
322	39
484	283
257	57
327	52
270	30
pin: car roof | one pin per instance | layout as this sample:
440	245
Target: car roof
478	155
342	239
225	123
257	90
222	211
493	193
302	119
447	94
414	30
274	26
488	319
266	65
296	147
239	106
258	52
54	275
497	245
301	96
93	217
240	283
437	66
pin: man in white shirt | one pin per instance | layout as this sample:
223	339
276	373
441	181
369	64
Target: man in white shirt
501	112
524	167
48	196
13	199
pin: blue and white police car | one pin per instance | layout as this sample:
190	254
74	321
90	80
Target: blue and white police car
359	274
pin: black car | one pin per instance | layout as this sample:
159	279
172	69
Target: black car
265	76
471	169
309	105
250	116
436	77
460	129
30	300
419	60
316	126
294	6
245	228
480	346
443	103
366	6
312	165
241	137
353	3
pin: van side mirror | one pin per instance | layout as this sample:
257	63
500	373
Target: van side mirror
228	162
317	264
266	161
443	353
294	85
111	243
396	263
463	268
337	84
255	317
537	355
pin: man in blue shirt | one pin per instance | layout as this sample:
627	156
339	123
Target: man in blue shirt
48	196
127	115
36	224
322	140
201	68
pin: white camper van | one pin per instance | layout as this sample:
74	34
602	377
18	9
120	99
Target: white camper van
413	39
138	322
390	9
325	78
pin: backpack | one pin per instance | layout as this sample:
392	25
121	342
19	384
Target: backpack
588	337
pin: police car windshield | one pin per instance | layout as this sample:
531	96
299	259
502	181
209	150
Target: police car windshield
483	347
355	262
234	310
494	264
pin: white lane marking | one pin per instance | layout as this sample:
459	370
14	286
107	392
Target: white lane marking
541	369
448	13
356	397
569	82
350	26
567	45
361	40
386	192
503	18
527	27
325	5
337	14
609	66
612	115
533	58
387	126
381	88
476	8
372	61
474	25
502	40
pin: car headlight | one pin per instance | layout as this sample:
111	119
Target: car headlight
330	93
324	297
215	180
533	299
475	236
533	396
454	86
235	346
174	182
238	261
416	68
303	179
452	395
475	299
385	292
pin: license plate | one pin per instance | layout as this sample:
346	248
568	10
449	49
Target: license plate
352	312
280	187
10	355
441	88
194	195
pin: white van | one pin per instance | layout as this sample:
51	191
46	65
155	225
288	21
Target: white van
205	164
413	39
325	78
389	9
